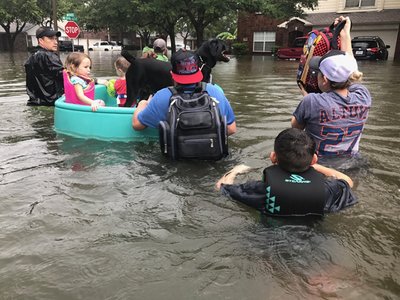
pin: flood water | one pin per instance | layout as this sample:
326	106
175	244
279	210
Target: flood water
86	219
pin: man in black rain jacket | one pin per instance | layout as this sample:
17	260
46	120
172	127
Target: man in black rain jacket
44	79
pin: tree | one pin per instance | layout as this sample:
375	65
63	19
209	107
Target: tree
168	14
185	29
226	24
279	9
16	13
203	13
165	17
112	15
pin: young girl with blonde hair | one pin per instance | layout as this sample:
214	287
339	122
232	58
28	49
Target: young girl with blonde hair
78	85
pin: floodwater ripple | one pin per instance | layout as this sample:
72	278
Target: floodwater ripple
86	219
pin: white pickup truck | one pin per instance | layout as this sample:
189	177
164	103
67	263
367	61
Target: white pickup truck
105	46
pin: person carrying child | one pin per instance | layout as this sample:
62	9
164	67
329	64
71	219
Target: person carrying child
295	185
148	52
336	117
160	49
78	85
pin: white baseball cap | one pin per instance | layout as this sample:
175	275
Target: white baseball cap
335	65
160	43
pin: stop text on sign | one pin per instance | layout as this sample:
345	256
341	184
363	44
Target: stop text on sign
72	30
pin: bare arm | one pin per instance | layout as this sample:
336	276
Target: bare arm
135	121
229	177
302	90
296	124
231	128
95	104
345	38
81	96
333	173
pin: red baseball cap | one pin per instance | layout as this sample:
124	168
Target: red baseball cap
185	67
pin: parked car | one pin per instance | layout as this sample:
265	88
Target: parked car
181	46
293	52
369	47
67	46
105	46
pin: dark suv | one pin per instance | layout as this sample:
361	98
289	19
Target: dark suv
369	47
66	46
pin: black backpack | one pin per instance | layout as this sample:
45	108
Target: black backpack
194	128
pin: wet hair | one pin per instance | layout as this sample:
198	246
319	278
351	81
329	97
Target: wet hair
73	61
122	64
294	150
354	77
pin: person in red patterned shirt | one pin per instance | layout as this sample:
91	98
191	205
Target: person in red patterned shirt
121	66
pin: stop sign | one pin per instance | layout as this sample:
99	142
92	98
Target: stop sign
72	30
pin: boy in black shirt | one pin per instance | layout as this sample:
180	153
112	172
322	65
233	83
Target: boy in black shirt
295	185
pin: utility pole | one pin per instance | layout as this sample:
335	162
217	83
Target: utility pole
54	7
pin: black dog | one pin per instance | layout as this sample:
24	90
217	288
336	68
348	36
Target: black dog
147	76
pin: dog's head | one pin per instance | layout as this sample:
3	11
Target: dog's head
212	51
217	49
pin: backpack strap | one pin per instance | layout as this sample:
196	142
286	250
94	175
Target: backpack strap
203	87
200	87
173	90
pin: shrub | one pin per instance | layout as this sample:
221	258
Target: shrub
240	48
274	49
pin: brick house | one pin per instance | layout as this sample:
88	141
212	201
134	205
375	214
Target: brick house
264	34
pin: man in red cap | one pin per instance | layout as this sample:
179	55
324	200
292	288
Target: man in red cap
44	79
187	76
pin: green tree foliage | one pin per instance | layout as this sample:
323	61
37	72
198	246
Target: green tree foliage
185	29
224	28
17	13
227	36
165	15
207	17
117	16
202	13
277	8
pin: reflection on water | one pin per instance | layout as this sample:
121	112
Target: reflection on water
86	219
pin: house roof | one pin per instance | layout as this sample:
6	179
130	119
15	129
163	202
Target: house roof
283	25
387	16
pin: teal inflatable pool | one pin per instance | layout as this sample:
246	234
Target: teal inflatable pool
109	123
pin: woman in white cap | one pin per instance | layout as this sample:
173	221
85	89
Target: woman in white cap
336	117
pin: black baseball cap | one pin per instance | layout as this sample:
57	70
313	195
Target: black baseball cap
185	67
46	31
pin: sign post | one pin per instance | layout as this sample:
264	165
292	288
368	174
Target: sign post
72	31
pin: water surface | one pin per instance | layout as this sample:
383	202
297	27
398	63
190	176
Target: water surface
85	219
